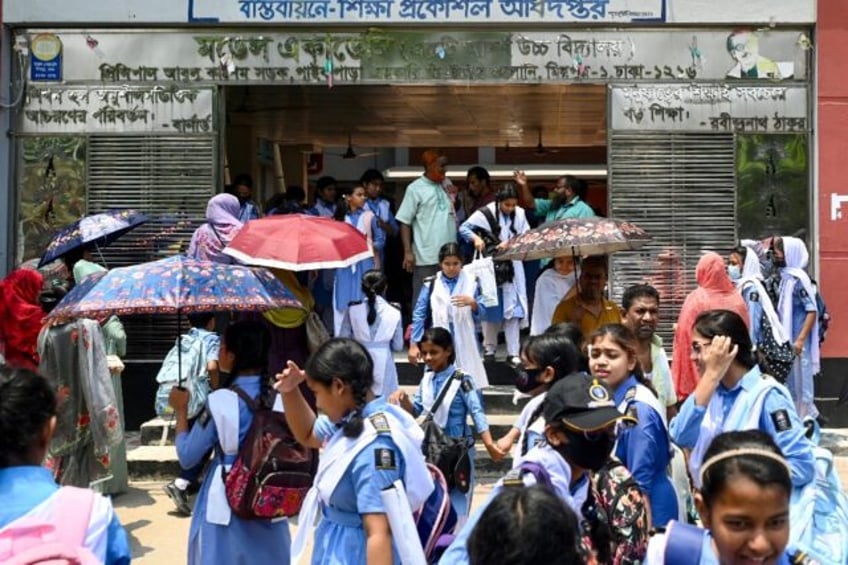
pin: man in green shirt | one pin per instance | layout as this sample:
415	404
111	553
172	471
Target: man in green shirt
427	220
567	200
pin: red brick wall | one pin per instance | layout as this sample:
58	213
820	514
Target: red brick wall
832	129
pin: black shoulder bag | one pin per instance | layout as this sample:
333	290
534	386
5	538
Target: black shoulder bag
449	454
504	271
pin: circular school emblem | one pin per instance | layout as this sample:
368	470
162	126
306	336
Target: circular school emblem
598	392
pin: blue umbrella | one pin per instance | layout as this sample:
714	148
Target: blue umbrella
175	285
97	229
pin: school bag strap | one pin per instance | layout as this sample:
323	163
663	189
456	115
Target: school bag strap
251	403
515	477
442	393
494	226
683	543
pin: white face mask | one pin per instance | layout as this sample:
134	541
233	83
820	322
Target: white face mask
734	272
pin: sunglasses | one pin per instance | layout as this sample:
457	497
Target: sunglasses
699	346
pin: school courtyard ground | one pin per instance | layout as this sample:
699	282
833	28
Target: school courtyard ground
159	535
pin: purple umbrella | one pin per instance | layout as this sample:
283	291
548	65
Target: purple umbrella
97	229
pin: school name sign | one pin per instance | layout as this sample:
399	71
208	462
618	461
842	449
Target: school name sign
426	11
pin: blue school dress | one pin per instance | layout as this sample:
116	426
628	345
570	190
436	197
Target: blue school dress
241	541
467	401
645	450
25	487
340	536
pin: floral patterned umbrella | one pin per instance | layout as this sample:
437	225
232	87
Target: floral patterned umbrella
175	285
99	229
574	236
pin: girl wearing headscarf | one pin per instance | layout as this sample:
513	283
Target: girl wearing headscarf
798	313
715	292
222	225
745	271
21	317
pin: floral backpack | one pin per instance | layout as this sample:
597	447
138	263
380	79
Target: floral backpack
615	499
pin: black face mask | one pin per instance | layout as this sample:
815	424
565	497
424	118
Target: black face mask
589	450
779	263
527	379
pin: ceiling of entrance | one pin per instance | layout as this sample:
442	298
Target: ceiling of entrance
420	116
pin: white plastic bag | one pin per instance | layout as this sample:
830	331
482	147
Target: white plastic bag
482	269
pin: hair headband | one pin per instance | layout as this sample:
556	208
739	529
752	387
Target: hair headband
740	452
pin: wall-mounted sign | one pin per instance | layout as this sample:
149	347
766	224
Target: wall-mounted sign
439	12
710	107
392	57
45	58
160	109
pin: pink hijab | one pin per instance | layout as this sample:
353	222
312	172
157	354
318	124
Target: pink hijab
222	225
715	292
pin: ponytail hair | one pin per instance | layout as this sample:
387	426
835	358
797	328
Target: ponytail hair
374	284
342	207
626	340
349	361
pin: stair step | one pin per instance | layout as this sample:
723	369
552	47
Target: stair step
153	430
152	461
499	373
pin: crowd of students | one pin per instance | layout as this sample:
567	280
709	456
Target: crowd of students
591	449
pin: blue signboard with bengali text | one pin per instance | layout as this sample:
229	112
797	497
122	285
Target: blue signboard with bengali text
426	11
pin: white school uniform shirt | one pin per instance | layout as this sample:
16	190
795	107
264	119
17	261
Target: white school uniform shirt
515	292
380	339
551	288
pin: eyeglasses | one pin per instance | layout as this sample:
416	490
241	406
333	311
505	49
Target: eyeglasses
699	346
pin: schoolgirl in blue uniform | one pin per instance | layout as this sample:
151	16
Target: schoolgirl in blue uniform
28	490
347	283
452	414
368	445
644	448
450	300
744	505
732	394
545	359
216	535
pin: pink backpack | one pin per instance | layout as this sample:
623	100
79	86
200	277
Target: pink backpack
57	540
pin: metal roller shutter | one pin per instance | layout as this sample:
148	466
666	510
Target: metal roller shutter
169	178
681	187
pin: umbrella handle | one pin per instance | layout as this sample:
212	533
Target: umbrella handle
179	348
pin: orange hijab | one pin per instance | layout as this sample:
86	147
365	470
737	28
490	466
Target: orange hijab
715	292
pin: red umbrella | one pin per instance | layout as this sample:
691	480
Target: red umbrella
297	242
